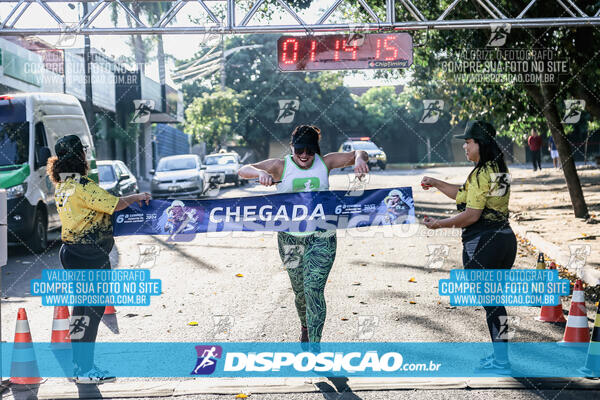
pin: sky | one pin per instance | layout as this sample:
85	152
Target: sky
178	46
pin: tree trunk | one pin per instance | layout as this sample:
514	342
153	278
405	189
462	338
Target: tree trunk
138	43
161	71
544	96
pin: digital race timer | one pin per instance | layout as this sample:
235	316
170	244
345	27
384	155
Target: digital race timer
354	51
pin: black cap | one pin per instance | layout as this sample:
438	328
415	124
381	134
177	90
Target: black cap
69	146
480	130
305	135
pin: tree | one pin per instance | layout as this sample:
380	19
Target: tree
211	117
513	107
324	101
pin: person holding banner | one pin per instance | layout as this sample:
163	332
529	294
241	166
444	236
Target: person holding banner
488	240
85	211
307	256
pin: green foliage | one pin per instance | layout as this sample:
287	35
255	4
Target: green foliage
211	117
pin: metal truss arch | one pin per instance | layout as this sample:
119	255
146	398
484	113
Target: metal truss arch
232	25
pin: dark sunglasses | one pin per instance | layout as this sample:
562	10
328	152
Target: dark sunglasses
310	150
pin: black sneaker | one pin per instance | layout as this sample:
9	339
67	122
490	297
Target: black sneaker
494	367
94	376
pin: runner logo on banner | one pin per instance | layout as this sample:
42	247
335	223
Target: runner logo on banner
284	212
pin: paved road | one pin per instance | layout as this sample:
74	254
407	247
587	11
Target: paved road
387	279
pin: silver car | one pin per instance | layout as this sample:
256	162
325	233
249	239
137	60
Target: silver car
225	166
179	176
116	178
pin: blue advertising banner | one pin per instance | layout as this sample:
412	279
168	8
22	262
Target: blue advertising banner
283	212
264	359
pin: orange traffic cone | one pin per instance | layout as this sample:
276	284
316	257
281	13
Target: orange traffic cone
60	326
109	310
592	363
24	369
577	330
551	313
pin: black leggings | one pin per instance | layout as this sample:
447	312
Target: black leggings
493	249
536	159
85	320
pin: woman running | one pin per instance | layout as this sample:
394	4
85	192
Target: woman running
307	256
84	209
488	240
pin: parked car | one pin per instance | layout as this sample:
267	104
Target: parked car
377	156
179	176
30	125
116	178
224	165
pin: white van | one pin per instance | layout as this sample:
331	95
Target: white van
30	125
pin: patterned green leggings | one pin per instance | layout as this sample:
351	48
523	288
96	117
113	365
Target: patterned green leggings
308	260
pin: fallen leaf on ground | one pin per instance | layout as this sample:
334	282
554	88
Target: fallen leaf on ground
412	280
130	315
363	264
355	283
412	302
192	323
241	396
239	275
344	319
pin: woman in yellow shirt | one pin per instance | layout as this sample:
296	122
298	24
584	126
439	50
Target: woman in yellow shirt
85	211
488	240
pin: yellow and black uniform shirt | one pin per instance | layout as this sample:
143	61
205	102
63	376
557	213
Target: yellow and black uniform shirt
85	211
486	189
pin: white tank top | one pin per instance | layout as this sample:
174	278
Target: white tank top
296	179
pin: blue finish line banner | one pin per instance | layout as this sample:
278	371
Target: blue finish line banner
284	212
263	359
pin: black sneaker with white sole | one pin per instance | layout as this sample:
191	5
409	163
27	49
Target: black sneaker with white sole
94	376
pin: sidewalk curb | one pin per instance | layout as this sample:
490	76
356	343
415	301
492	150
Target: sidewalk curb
232	386
588	275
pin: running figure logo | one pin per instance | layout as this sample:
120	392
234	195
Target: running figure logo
500	183
223	324
366	326
573	109
432	109
143	108
306	184
67	37
499	34
437	255
579	255
207	359
507	326
78	326
287	111
148	255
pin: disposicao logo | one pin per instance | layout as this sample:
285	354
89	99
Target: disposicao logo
207	359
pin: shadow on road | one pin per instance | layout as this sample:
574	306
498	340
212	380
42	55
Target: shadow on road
339	391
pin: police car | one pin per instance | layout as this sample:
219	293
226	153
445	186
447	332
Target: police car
376	154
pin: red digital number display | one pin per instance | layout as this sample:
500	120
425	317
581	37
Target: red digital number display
336	52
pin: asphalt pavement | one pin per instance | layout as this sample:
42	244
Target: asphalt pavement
235	287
